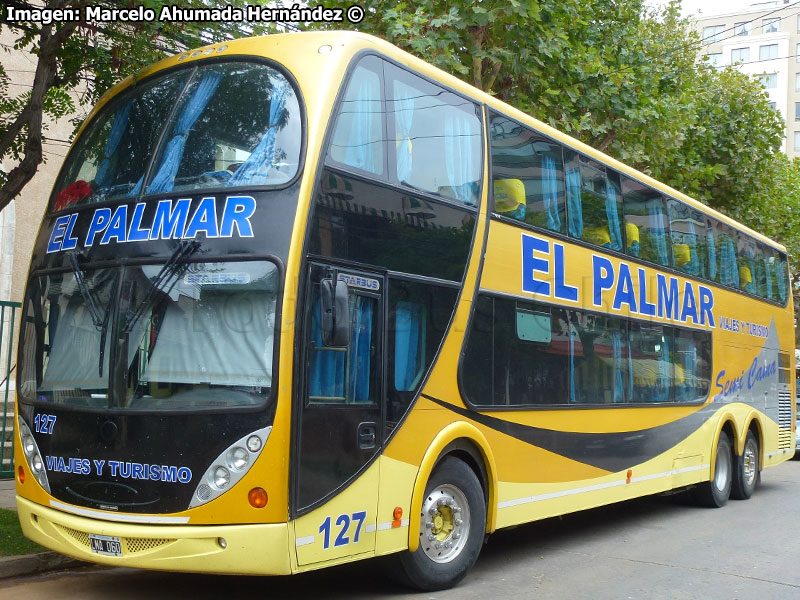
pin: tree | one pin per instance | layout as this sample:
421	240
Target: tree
85	58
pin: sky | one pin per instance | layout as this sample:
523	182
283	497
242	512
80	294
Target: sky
710	7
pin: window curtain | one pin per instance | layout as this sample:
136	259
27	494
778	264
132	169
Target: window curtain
326	369
657	232
164	179
712	254
613	217
728	269
616	348
550	193
768	275
575	215
256	168
573	396
360	350
780	267
693	266
114	138
365	103
403	117
458	149
409	323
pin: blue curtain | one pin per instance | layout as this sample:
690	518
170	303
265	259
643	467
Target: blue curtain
360	350
326	371
366	104
256	168
575	214
613	217
656	218
408	323
728	269
693	266
712	254
780	278
458	150
164	179
114	138
550	193
403	118
768	274
616	348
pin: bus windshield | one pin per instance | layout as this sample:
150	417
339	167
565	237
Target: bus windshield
152	337
189	130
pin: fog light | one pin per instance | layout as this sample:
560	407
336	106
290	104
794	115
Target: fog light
222	543
257	497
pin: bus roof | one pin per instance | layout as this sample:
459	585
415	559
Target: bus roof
349	43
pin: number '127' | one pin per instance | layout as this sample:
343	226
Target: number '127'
343	524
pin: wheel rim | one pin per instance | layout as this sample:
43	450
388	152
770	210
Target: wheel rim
750	465
723	468
445	514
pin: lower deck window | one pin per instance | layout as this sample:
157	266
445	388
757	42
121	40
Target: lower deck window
524	353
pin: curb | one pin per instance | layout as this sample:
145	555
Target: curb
30	564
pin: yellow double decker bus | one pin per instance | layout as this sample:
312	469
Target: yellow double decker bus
305	299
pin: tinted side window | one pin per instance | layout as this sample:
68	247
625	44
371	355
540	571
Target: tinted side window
651	363
727	255
594	201
418	317
358	137
528	175
645	222
436	137
689	241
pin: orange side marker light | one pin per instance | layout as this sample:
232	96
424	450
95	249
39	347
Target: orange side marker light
257	497
21	474
397	516
629	475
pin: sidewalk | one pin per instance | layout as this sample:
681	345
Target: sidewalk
28	564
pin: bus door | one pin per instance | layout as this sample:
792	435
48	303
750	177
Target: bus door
340	415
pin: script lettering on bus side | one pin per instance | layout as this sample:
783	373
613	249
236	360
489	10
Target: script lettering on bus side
173	220
624	287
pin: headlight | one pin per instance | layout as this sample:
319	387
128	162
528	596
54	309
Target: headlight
229	467
32	454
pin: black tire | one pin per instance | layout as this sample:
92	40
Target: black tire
715	493
746	470
453	491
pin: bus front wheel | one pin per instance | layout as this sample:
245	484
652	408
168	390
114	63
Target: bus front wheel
715	493
452	526
746	472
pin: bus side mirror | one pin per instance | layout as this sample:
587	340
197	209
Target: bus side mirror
335	317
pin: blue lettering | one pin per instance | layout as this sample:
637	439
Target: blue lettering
70	242
137	471
136	234
116	228
113	465
57	236
204	219
531	265
667	297
602	277
125	470
706	304
689	310
155	472
100	221
184	475
625	293
169	474
238	210
170	222
98	466
562	291
645	307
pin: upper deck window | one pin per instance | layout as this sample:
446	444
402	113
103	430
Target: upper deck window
222	125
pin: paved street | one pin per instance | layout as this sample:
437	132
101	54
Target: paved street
645	549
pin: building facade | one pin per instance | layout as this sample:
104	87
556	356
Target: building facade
763	41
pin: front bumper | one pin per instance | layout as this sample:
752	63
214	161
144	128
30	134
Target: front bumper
261	549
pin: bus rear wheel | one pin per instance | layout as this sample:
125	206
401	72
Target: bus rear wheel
746	472
715	493
452	526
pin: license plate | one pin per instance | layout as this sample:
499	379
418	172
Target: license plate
105	544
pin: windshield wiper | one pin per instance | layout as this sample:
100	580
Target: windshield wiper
172	270
100	322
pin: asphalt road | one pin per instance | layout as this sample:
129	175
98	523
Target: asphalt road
648	548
